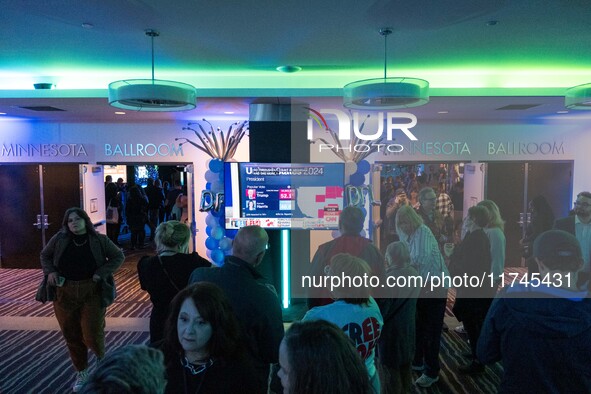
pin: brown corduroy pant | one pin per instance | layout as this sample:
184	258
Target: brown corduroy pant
82	320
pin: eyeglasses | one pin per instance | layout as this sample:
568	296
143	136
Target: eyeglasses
582	204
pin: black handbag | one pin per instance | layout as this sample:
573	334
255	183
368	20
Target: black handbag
45	292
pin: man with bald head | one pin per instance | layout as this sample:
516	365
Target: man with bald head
253	300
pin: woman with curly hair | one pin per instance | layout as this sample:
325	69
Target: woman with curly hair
203	347
317	357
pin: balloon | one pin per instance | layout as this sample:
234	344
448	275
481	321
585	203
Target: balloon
350	168
225	244
357	179
217	233
211	176
217	186
208	253
221	177
217	213
217	256
216	165
211	220
208	231
211	243
208	186
363	167
222	221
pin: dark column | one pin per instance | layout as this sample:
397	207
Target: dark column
278	134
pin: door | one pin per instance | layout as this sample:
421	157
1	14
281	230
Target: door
32	206
505	185
512	185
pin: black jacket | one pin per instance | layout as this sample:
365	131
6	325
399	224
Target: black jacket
256	305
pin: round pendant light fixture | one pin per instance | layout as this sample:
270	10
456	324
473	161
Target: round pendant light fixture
385	93
152	95
578	97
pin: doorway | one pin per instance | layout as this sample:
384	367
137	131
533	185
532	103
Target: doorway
511	185
32	204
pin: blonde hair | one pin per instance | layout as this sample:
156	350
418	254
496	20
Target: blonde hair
172	235
407	215
346	265
495	219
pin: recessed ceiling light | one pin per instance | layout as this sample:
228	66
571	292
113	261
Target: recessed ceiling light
492	23
2	113
562	112
228	112
442	112
289	69
119	113
87	25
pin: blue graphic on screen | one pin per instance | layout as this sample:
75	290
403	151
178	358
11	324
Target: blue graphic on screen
283	195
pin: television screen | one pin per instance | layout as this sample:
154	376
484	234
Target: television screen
286	195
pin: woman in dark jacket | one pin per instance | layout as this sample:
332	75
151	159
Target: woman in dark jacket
165	274
80	263
136	212
203	347
472	258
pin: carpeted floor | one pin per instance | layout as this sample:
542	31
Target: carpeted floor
33	357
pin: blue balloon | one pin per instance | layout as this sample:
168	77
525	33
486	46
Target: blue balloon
222	221
217	233
208	231
221	177
216	214
217	256
225	244
211	220
216	165
208	186
363	167
357	179
211	243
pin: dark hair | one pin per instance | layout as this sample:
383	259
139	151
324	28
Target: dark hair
542	215
214	307
479	215
323	360
584	194
82	213
131	369
351	220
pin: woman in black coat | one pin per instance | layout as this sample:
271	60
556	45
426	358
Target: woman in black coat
165	274
472	258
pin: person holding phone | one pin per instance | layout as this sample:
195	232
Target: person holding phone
86	260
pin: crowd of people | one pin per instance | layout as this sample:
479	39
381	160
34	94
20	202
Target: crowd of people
138	207
220	329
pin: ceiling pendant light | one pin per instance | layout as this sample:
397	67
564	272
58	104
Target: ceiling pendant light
381	94
578	97
152	95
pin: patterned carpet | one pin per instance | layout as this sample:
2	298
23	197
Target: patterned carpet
34	360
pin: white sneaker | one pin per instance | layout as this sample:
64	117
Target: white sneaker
81	378
460	329
426	381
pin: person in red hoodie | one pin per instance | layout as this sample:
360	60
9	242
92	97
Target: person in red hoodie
351	222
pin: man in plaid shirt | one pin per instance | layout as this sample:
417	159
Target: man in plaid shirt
443	203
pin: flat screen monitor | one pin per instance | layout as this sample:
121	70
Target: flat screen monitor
283	195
